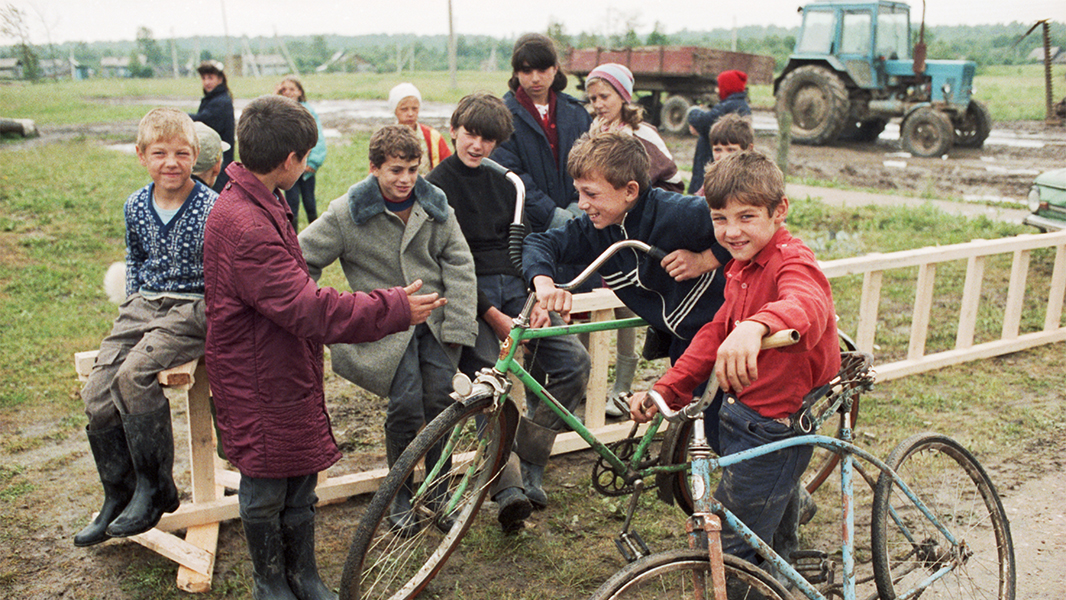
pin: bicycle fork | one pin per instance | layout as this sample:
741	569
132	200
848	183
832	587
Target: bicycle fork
704	528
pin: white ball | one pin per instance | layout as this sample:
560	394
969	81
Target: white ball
115	282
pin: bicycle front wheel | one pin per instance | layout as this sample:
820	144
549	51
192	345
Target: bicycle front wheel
684	574
908	548
467	447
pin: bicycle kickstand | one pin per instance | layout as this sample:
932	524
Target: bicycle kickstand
629	543
712	528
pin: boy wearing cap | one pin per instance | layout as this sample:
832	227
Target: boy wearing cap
160	324
732	90
405	101
209	163
216	111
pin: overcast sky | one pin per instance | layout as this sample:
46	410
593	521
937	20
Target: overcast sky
104	20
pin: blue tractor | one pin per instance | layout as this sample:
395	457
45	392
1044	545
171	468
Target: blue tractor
852	71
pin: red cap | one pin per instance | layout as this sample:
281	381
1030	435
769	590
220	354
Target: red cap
731	82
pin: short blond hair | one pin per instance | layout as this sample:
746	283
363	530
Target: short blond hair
166	124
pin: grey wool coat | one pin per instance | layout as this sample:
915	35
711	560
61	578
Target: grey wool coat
377	250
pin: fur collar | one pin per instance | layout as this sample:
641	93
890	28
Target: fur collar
365	200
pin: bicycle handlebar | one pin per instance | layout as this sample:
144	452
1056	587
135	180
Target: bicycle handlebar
611	250
785	337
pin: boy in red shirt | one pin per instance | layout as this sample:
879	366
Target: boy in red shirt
772	283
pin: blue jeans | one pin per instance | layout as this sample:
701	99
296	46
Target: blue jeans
757	490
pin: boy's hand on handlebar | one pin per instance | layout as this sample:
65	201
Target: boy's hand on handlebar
539	318
686	264
737	364
422	304
498	321
551	298
638	411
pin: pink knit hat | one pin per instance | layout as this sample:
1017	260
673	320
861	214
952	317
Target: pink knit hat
620	78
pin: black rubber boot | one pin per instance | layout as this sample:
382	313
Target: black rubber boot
301	570
113	463
438	492
151	444
267	549
533	444
514	509
402	517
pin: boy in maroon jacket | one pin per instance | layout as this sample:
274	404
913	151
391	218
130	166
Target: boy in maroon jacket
772	283
267	322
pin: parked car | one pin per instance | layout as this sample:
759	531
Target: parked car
1047	200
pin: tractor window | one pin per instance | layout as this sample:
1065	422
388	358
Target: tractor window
856	36
893	35
817	36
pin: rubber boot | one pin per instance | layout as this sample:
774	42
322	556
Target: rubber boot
151	442
402	517
514	508
267	549
533	444
438	492
533	481
301	570
113	463
624	369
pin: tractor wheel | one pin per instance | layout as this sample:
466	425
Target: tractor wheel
927	132
818	101
973	126
674	115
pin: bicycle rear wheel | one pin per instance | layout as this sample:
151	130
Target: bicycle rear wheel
382	564
908	548
683	574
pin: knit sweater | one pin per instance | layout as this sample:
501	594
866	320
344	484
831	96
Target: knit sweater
166	259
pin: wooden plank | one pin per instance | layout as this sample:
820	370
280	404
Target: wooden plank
572	442
923	304
971	301
204	537
192	514
202	442
1012	313
600	353
597	299
83	363
177	550
1056	290
931	362
180	377
868	305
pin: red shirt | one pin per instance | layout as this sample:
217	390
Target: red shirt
782	288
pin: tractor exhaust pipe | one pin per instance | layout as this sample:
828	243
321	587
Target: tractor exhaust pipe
919	48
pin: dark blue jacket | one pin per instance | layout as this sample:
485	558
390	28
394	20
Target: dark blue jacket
702	120
528	154
216	111
666	220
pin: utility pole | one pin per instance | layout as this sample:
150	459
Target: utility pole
452	61
225	32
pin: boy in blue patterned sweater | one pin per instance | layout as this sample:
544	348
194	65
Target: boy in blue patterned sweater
160	325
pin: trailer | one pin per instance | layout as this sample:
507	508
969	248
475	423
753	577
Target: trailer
686	75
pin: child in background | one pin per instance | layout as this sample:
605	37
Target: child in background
405	101
267	321
216	110
160	325
610	91
774	283
732	90
732	133
209	163
391	226
291	88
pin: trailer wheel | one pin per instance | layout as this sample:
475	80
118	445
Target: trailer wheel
973	126
674	115
927	132
818	101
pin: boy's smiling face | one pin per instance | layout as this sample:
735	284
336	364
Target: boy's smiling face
470	148
605	204
745	229
396	177
169	163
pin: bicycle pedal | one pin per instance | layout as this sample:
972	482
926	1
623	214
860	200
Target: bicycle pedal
631	546
814	565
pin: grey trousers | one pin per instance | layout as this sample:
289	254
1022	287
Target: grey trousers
148	336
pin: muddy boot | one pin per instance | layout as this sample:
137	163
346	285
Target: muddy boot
151	444
618	400
267	549
112	457
514	509
402	517
438	492
534	446
301	570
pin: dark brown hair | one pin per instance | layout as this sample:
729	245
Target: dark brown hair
617	157
749	177
485	115
732	129
271	127
396	141
535	51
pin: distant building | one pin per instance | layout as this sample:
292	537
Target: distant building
10	68
267	65
1057	55
119	66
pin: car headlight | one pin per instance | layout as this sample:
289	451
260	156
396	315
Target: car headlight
1034	198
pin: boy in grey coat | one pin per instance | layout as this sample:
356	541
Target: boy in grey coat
391	228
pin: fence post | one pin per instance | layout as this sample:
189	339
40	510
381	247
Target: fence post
784	139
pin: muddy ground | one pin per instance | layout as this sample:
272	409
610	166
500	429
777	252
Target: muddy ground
39	561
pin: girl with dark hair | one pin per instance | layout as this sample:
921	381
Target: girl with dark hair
290	87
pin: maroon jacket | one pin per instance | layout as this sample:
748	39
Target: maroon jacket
267	321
